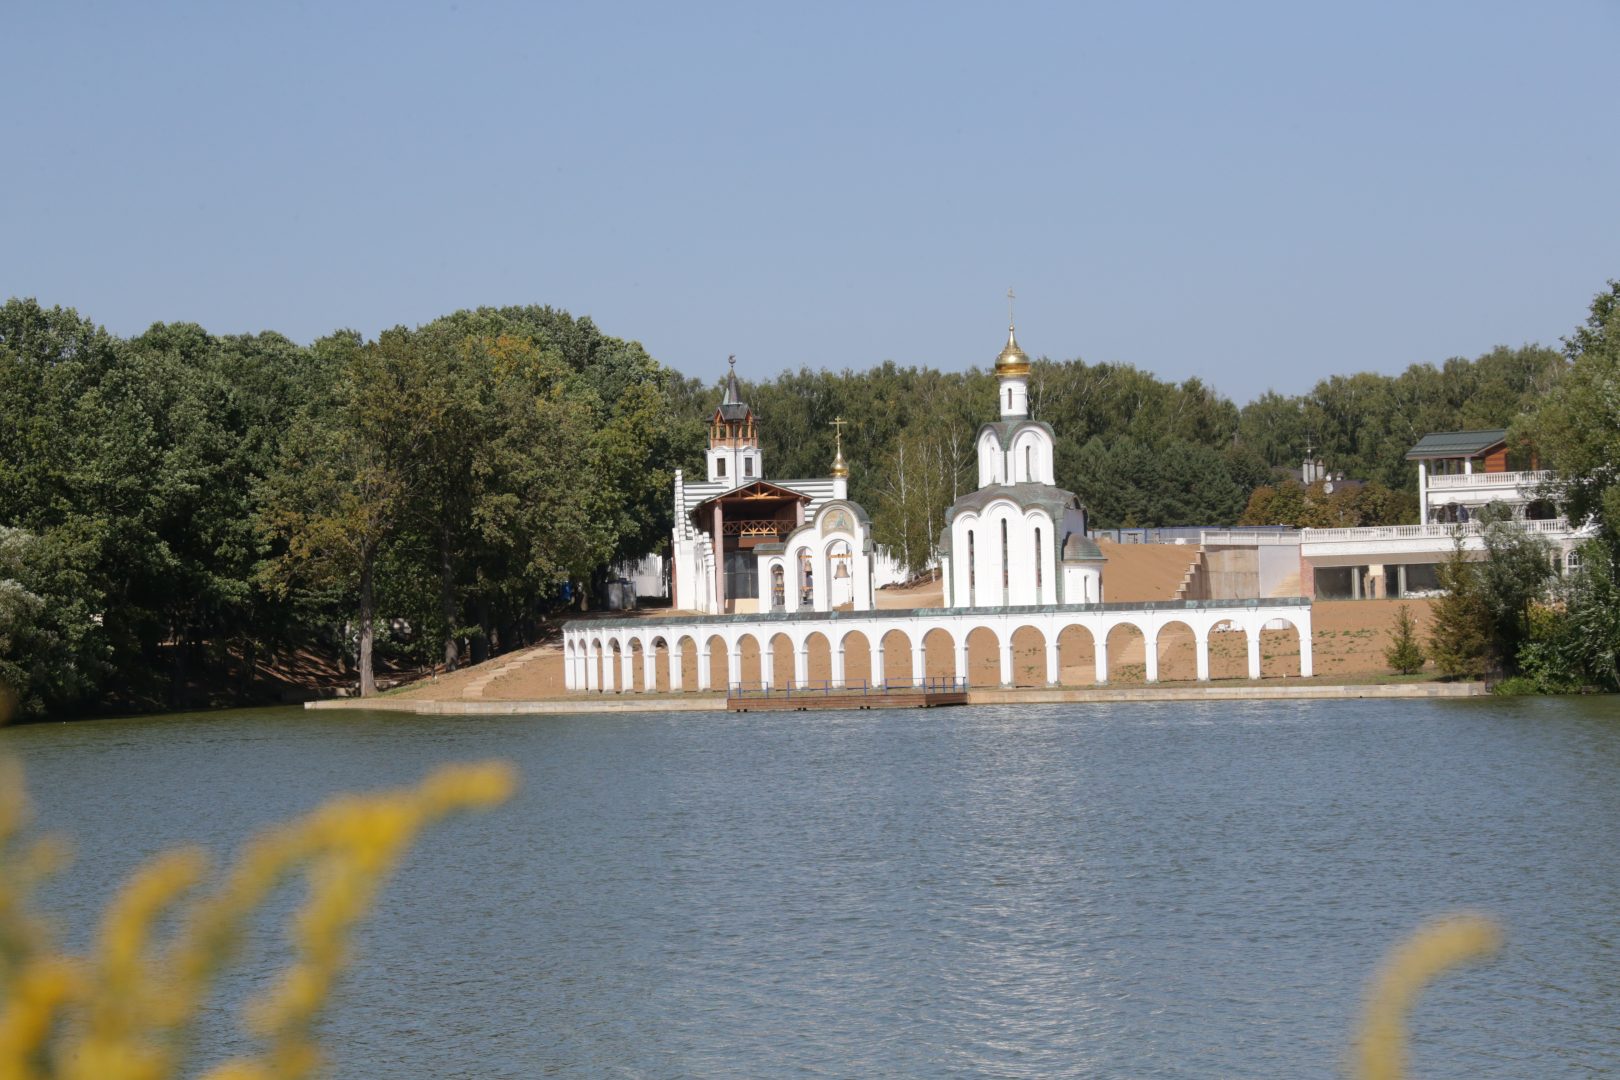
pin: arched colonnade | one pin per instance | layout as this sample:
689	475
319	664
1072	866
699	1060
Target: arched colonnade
711	653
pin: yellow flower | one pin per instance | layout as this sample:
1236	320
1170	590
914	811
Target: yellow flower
1436	947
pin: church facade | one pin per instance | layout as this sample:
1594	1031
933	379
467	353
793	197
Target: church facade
1019	539
743	544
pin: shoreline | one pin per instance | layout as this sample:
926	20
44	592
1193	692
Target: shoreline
1033	695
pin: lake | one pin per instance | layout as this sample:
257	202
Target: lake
1142	890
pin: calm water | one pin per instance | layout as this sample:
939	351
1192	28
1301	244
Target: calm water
1112	891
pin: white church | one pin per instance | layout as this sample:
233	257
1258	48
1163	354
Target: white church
744	545
1018	539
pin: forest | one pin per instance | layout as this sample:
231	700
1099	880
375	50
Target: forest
177	506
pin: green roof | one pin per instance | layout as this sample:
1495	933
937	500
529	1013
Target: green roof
1456	444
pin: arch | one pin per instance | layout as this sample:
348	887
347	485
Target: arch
897	658
1176	645
689	662
1077	656
719	675
661	661
1029	657
939	654
613	666
778	586
983	657
818	658
1127	653
781	647
1279	650
750	669
857	659
1228	651
638	665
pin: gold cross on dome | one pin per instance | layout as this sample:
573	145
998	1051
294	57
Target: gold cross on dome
838	423
1010	299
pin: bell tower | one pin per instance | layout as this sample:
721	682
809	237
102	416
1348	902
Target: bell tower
734	455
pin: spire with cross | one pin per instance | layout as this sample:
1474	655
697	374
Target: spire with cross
839	468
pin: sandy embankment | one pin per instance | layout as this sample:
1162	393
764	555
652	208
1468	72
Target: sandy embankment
1348	643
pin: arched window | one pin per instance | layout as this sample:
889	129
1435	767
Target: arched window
1029	463
972	570
778	589
1040	570
1006	563
1009	399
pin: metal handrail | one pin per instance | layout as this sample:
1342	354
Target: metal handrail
934	684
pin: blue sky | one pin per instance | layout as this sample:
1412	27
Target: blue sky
1257	194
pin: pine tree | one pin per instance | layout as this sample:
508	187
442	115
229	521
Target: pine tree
1404	654
1460	633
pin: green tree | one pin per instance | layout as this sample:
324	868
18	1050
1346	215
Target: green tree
1404	654
343	483
1460	621
1576	427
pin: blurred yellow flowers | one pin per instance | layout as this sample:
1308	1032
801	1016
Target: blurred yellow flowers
1437	946
127	1010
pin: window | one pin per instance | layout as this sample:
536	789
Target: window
720	466
1006	569
778	592
972	574
748	466
1040	571
1029	463
1009	399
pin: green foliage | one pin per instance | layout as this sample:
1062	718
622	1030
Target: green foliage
1293	504
1460	625
1574	641
1404	654
1576	426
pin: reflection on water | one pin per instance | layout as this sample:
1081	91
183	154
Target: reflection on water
1154	890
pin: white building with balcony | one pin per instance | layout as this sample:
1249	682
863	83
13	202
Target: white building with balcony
1459	474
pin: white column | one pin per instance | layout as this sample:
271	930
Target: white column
1201	650
1053	673
838	666
704	679
627	667
1150	656
675	666
1423	492
1100	647
733	664
919	663
610	673
878	678
961	658
649	668
801	664
593	676
1306	667
1007	661
1253	634
767	665
569	662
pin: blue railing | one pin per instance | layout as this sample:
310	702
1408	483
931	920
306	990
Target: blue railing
852	688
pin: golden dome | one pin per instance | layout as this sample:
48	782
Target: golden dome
1013	360
839	469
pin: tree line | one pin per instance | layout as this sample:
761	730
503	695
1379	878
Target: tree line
177	506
